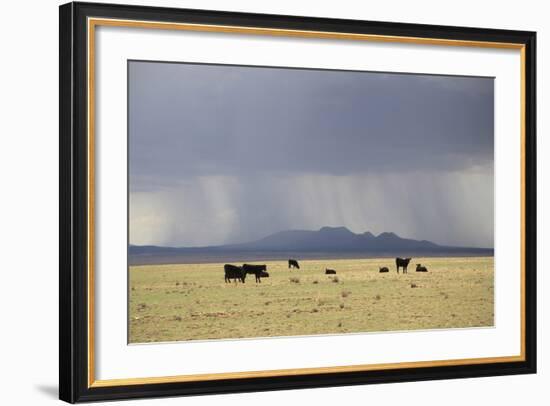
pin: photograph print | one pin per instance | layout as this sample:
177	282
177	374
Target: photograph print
273	201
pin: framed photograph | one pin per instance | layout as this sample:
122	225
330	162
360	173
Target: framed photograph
258	202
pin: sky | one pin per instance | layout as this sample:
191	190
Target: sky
224	154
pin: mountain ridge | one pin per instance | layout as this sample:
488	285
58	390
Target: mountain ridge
333	242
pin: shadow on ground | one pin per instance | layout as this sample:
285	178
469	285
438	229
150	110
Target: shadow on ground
49	390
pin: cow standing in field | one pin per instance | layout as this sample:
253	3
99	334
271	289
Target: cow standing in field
292	263
234	272
403	263
330	272
256	270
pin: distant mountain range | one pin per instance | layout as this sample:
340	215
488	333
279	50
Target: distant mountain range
328	242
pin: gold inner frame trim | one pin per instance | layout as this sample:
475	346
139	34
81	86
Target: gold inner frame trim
300	371
94	22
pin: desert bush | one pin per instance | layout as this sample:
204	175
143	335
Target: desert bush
345	293
294	280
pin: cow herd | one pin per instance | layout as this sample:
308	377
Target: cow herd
238	273
404	263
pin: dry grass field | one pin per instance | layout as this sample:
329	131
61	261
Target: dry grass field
192	301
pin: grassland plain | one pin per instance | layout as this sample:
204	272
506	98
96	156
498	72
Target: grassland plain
192	301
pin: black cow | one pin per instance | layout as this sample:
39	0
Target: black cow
383	269
403	263
420	268
330	272
264	274
234	272
292	263
256	270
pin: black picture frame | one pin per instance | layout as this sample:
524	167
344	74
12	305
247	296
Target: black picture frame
74	384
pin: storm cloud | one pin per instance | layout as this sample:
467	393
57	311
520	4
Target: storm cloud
222	154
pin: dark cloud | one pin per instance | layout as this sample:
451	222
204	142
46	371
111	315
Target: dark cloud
269	131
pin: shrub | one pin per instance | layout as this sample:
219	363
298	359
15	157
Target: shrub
294	280
335	279
345	293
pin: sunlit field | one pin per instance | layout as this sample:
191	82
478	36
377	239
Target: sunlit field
193	302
